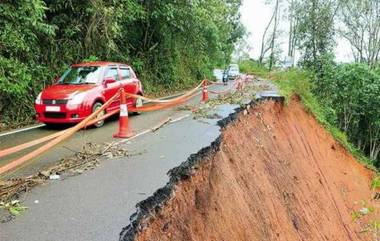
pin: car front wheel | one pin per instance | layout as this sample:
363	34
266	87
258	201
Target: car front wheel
96	107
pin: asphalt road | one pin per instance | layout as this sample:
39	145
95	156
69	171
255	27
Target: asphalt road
97	204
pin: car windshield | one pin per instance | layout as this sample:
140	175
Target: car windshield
81	75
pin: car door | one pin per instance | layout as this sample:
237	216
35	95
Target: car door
128	81
112	88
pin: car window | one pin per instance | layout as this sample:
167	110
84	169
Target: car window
125	73
81	75
112	73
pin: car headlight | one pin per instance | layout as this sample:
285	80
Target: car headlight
38	99
77	99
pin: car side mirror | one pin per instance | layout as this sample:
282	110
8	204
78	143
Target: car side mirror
109	80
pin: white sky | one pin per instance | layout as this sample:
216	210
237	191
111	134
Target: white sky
256	15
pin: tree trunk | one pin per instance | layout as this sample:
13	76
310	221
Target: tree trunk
264	49
271	59
291	42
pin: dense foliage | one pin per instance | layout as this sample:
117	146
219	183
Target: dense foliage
171	44
353	92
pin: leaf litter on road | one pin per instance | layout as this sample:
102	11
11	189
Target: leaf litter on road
235	98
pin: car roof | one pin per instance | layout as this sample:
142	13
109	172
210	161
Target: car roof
96	63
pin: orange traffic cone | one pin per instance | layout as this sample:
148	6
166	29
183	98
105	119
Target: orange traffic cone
204	92
124	129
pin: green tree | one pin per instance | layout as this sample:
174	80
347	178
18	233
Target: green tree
22	25
315	30
361	27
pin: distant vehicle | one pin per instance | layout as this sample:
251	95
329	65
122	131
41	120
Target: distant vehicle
82	90
233	71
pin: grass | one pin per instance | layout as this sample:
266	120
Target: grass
250	67
297	82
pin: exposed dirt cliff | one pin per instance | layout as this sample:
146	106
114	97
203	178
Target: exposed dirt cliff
276	175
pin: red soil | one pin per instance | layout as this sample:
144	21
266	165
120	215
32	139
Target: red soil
278	176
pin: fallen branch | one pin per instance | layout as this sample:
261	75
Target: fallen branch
155	128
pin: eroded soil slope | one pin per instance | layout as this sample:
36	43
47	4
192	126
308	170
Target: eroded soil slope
277	176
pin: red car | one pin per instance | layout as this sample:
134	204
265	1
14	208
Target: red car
83	88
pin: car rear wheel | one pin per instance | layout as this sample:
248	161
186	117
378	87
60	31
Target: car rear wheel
96	107
138	103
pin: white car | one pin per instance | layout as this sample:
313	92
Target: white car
233	71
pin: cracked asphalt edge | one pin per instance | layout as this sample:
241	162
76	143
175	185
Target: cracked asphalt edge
146	209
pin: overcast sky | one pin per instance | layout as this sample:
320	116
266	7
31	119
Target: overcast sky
256	15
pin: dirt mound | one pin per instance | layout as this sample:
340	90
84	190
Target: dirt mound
277	175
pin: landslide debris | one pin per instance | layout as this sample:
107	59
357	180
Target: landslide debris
233	97
274	174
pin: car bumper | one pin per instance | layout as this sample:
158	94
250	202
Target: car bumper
62	115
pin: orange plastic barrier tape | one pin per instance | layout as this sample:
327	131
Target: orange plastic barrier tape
161	106
166	101
69	132
23	146
18	148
